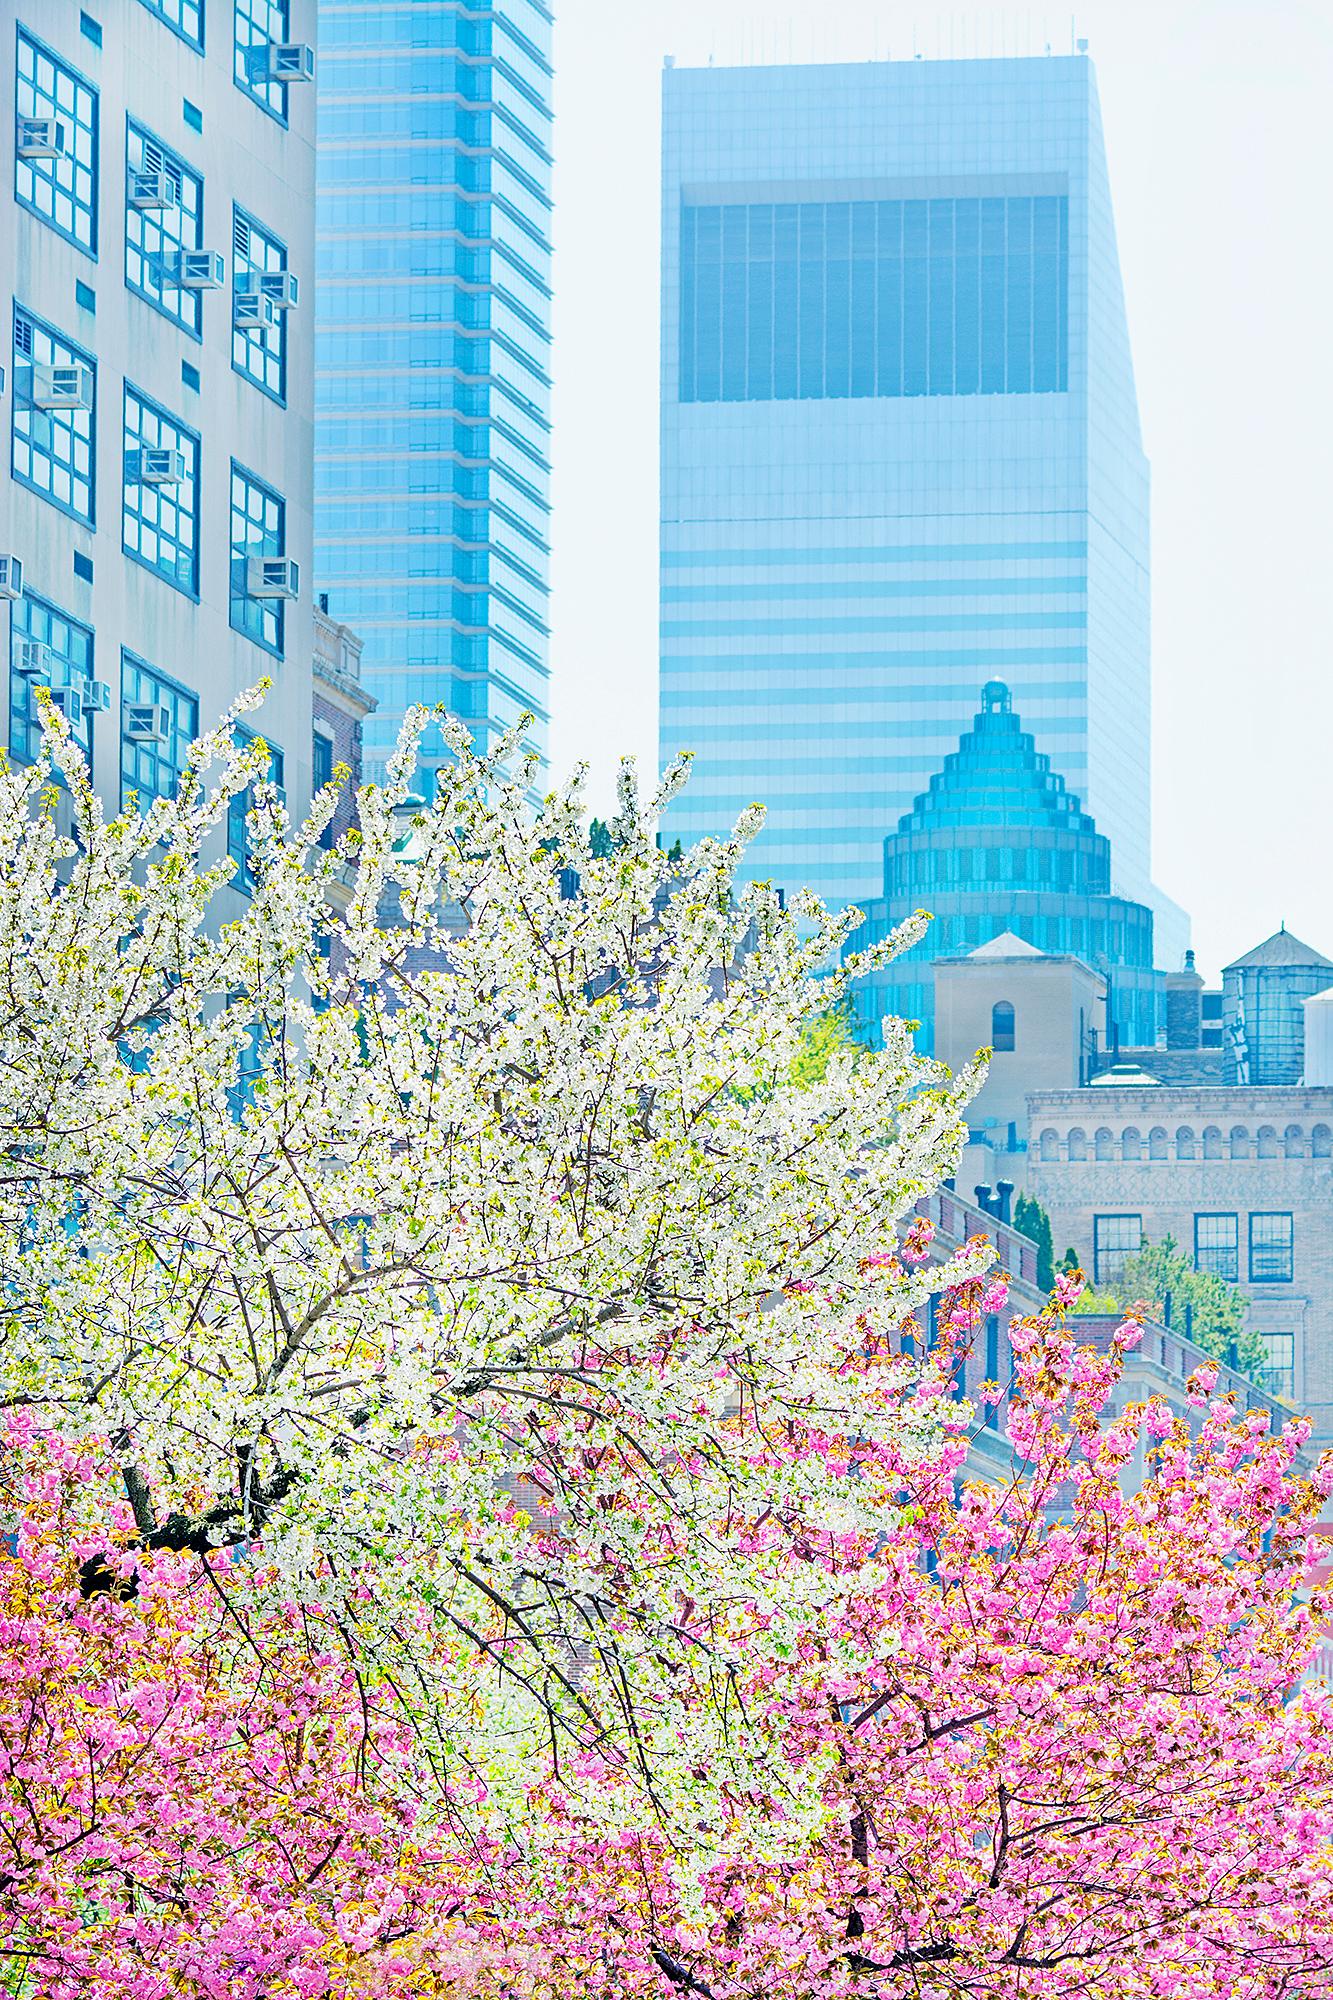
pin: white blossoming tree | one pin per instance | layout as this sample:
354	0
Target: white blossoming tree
491	1271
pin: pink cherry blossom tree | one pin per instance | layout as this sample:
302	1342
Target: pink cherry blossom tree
1057	1732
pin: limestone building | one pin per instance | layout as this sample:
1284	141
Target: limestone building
1160	1366
1241	1177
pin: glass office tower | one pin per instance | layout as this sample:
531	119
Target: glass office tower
900	451
433	378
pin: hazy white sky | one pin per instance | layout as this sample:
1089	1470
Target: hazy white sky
1221	153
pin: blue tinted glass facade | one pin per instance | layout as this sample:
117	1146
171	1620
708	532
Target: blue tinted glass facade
874	298
433	357
999	843
900	452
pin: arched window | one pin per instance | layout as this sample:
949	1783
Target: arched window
1267	1143
1050	1144
1293	1143
1131	1145
1157	1143
1078	1143
1002	1027
1212	1143
1321	1142
1102	1144
1240	1143
1185	1142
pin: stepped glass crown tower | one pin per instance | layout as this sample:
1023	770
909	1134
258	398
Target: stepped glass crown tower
432	366
900	449
998	845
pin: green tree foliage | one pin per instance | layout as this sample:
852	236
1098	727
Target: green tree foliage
1032	1219
823	1037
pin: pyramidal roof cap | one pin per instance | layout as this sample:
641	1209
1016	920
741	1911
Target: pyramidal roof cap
1283	948
997	777
1006	945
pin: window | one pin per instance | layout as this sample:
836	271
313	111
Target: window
1212	1143
1240	1143
1293	1143
259	22
258	528
70	665
258	352
1050	1144
1077	1147
321	774
164	214
1115	1239
1281	1370
1002	1027
57	178
186	17
1131	1143
53	440
950	297
1157	1143
159	720
238	837
1217	1245
1267	1146
1321	1143
160	520
1270	1249
992	1365
1184	1143
1102	1144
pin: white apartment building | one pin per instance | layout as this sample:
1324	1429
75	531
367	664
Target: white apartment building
157	257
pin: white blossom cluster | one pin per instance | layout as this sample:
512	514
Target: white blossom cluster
348	1234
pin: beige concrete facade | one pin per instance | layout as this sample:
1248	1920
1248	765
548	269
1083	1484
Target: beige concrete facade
1055	1002
251	164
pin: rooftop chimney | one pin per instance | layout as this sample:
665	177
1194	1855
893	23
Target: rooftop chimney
1184	1007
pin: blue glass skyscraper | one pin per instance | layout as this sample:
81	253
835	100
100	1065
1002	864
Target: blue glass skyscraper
900	451
433	376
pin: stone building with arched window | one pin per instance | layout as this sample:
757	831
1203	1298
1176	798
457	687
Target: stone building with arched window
1241	1177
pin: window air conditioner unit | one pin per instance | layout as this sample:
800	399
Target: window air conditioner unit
272	576
11	576
63	387
281	287
40	139
32	659
282	62
68	702
197	270
147	723
151	190
97	697
253	309
156	465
